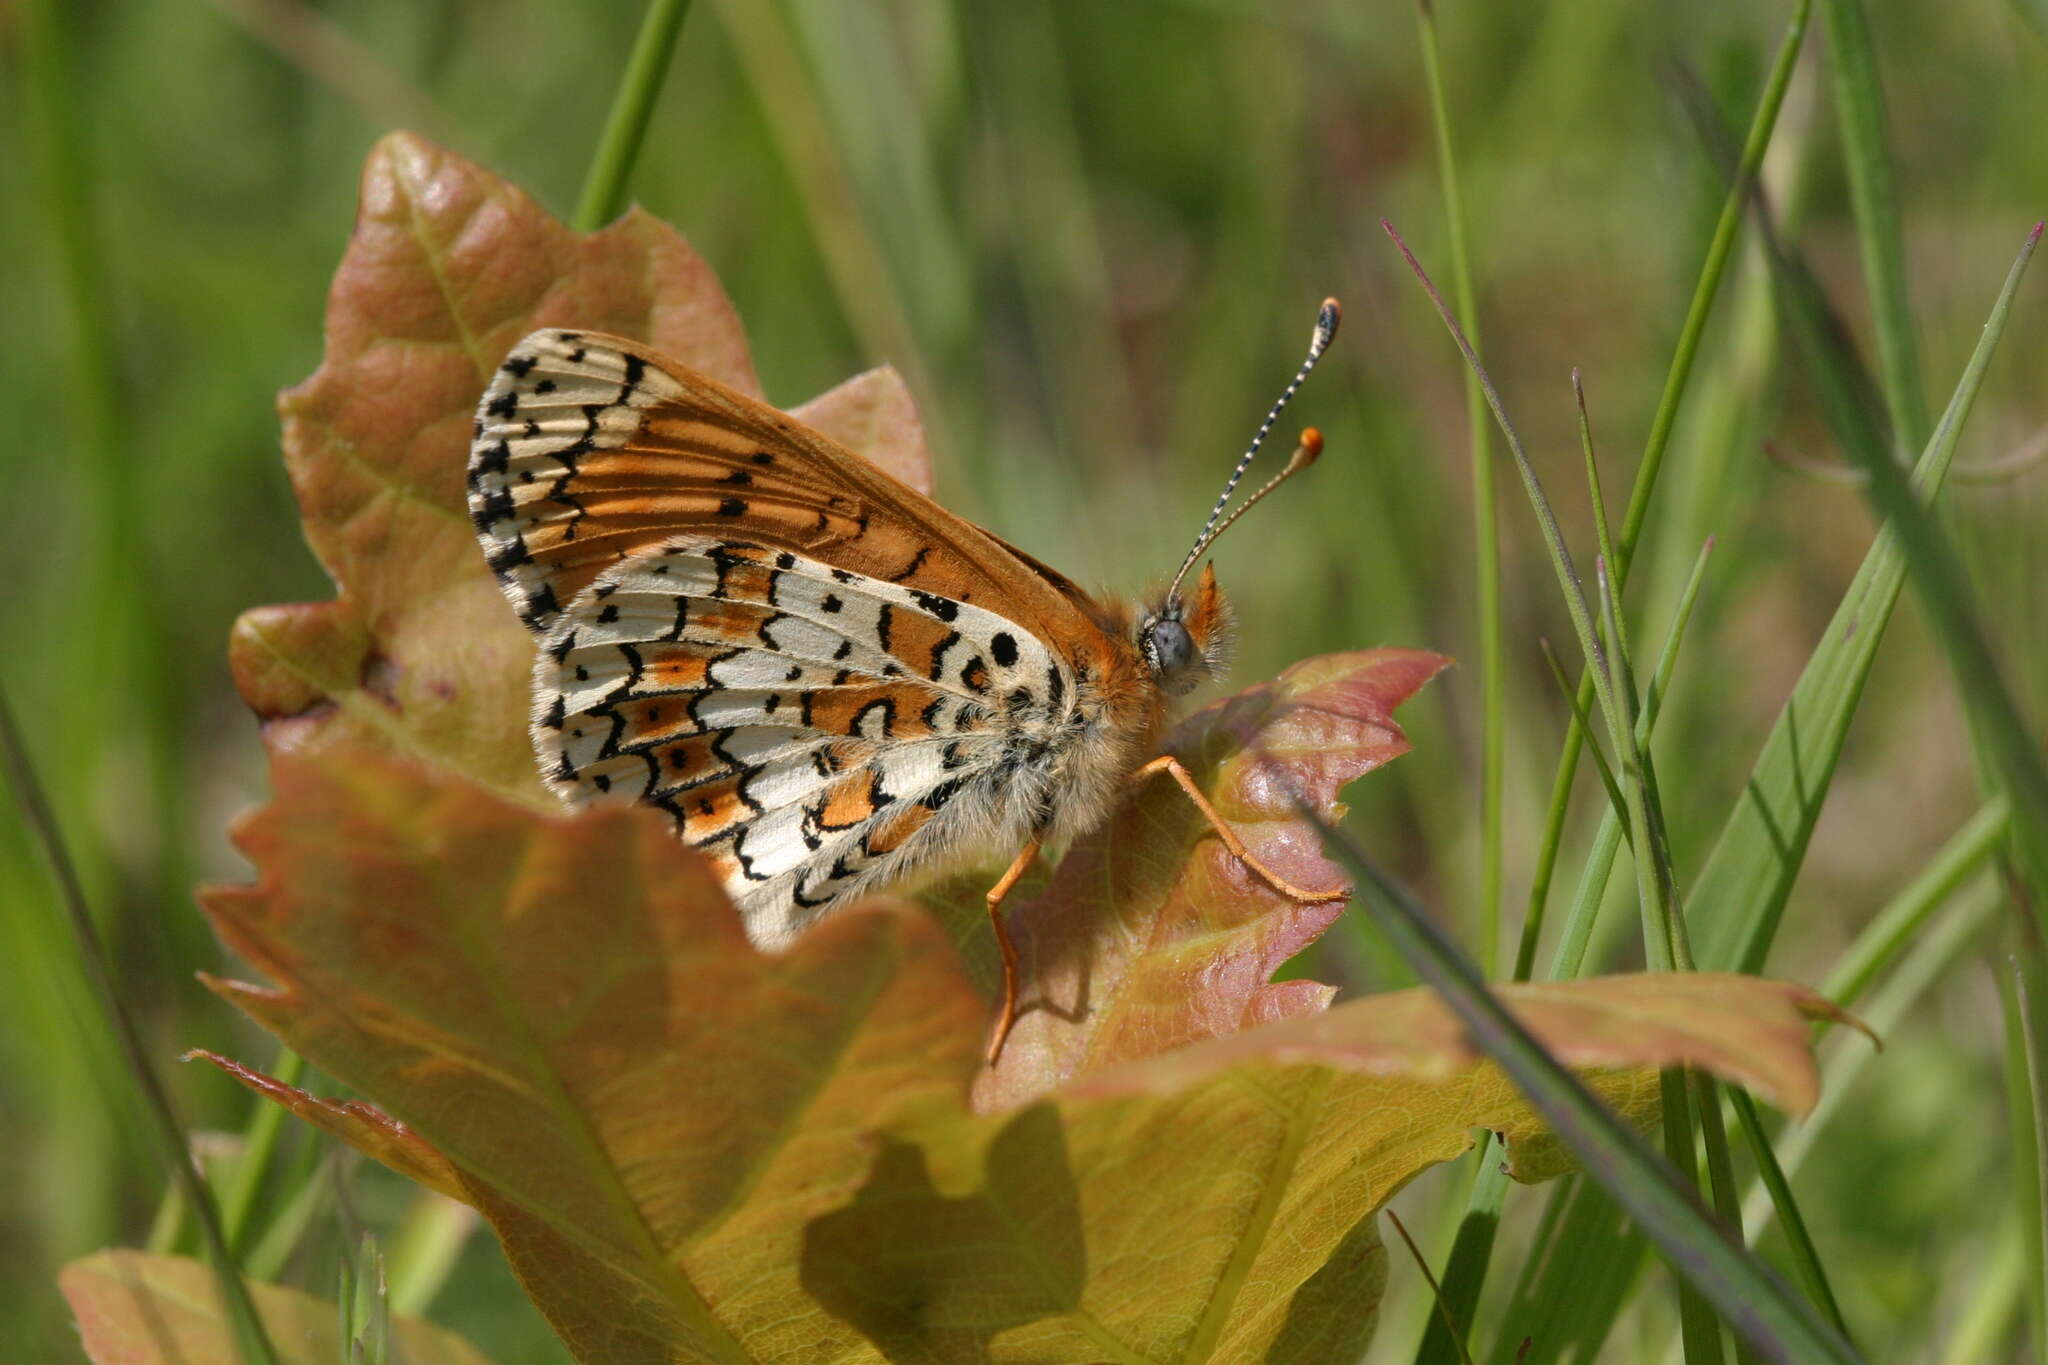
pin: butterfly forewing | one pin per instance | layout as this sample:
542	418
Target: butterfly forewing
589	448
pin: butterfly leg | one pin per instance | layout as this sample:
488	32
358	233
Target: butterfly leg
1167	763
1006	1018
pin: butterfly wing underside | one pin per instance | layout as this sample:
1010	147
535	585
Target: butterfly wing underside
823	677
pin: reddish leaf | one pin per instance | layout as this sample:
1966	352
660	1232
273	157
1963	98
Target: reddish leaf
138	1309
448	267
873	415
1151	933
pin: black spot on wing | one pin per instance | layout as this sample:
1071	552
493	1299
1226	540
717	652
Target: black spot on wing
942	607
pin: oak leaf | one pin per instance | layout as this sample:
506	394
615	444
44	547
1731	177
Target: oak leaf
696	1151
134	1308
448	267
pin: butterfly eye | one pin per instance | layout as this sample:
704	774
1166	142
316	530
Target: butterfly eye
1170	651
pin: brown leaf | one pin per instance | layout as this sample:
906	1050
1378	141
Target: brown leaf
1152	934
566	1008
362	1126
138	1309
449	266
694	1151
1743	1028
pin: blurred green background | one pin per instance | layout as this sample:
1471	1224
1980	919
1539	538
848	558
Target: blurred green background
1093	238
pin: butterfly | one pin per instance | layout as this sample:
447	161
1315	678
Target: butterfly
825	678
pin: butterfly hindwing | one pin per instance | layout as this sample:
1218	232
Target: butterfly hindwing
805	725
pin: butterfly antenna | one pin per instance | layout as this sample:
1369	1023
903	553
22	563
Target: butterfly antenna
1327	318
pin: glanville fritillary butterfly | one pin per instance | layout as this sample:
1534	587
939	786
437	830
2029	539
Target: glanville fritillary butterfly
825	677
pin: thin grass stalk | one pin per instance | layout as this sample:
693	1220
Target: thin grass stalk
1727	1199
252	1344
1806	1262
1874	200
1616	802
1656	896
1613	683
1569	957
1489	1189
302	1195
2023	979
618	146
1907	912
853	258
259	1145
1983	1326
1748	876
1657	887
1746	1292
1485	511
1661	427
2006	738
425	1247
1462	1354
113	704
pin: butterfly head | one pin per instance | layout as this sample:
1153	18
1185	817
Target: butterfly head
1185	640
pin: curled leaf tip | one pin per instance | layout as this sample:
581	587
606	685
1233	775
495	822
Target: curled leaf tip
1822	1010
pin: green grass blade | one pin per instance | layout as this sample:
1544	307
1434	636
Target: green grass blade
259	1145
1601	535
2018	990
1806	1263
1616	802
252	1344
1460	1354
1983	1325
1933	957
1585	1258
424	1250
1859	112
867	291
1485	523
618	146
1952	614
1747	1294
1740	894
1489	1190
1849	395
1762	124
1471	1251
1908	911
1569	955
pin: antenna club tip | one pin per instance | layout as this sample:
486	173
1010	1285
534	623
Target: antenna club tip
1310	449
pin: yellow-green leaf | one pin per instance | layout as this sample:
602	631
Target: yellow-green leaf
695	1151
137	1309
